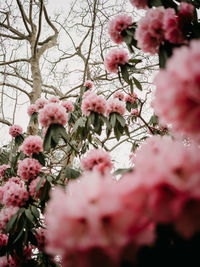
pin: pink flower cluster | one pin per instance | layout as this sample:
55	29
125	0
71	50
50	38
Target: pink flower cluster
88	84
52	113
115	58
97	159
28	168
93	102
131	98
41	233
33	185
117	25
141	4
15	130
5	216
97	218
31	145
3	168
40	103
134	112
115	105
10	262
68	106
118	95
32	109
162	24
177	96
13	194
169	183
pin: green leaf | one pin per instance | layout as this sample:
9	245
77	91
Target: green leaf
71	173
121	120
19	140
137	83
122	171
113	119
47	140
40	157
29	215
163	56
135	60
117	133
34	118
126	131
79	123
11	222
125	74
35	212
39	185
153	120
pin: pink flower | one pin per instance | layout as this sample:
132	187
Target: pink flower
97	159
32	109
68	106
5	216
115	58
32	144
93	102
166	180
15	130
118	95
94	219
140	4
132	98
33	185
3	240
54	99
88	84
28	168
3	168
172	31
177	96
115	105
186	11
149	33
52	113
14	194
134	112
117	25
10	262
40	103
87	93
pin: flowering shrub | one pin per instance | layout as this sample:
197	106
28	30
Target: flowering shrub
92	102
28	168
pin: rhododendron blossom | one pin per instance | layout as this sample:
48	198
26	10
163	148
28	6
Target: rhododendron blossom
134	112
28	168
97	159
91	220
172	31
115	58
32	109
166	181
40	103
3	240
14	194
117	25
149	33
68	106
3	168
132	98
52	113
88	84
5	215
31	145
115	105
118	95
186	12
33	186
177	96
15	130
93	102
140	4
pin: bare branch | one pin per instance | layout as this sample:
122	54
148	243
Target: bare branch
5	122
